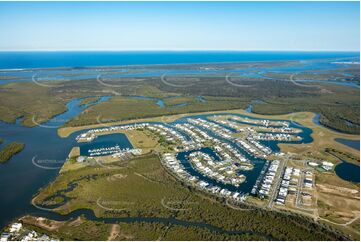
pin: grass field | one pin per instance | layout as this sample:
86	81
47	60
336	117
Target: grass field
141	187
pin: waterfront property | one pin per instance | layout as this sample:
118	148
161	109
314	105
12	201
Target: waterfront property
232	159
17	232
225	155
235	154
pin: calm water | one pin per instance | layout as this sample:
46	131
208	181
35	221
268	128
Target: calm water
252	175
14	66
22	175
16	60
354	144
348	171
105	141
345	170
44	147
45	152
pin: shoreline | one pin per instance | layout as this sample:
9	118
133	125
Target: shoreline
191	64
304	118
64	132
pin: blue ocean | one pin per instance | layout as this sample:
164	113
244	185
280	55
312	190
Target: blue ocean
45	59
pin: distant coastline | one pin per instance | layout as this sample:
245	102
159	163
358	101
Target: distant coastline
19	60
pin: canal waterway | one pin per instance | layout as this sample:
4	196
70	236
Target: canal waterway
38	164
44	148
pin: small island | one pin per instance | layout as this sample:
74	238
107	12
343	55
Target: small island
9	150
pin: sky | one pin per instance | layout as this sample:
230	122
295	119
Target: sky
309	26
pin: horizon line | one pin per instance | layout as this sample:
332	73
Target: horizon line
172	50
